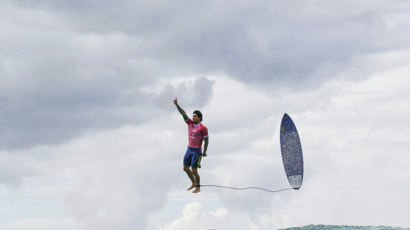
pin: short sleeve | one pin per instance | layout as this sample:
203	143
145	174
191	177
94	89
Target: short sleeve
205	132
189	121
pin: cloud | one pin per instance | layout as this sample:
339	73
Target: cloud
51	114
10	175
32	163
293	43
194	214
72	65
192	93
115	178
57	82
42	223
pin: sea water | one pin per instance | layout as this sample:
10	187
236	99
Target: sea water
345	227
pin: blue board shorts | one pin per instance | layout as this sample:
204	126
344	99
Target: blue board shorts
193	157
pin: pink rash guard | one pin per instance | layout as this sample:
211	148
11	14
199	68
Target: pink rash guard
196	133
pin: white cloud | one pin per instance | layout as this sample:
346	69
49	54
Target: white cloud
41	224
194	216
111	178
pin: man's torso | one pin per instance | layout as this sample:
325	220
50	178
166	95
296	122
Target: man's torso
196	133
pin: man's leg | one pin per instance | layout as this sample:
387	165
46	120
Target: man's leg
197	180
191	177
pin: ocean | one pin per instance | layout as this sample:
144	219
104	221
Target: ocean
345	227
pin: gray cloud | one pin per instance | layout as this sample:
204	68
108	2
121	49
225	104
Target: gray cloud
51	116
58	82
68	66
292	43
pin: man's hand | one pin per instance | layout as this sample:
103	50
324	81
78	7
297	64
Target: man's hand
204	154
176	101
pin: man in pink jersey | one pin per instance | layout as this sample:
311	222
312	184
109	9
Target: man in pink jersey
197	133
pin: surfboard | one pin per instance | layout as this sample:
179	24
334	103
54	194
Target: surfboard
291	149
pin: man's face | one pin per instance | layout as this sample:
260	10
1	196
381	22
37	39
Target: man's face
195	118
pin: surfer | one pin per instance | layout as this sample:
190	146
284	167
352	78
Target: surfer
197	133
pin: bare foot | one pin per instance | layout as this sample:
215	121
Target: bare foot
196	190
192	186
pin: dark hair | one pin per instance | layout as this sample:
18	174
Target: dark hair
199	114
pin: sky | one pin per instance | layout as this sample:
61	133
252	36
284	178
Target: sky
90	137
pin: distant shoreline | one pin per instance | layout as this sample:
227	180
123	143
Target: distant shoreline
345	227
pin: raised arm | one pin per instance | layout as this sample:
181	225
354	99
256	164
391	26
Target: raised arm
181	111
